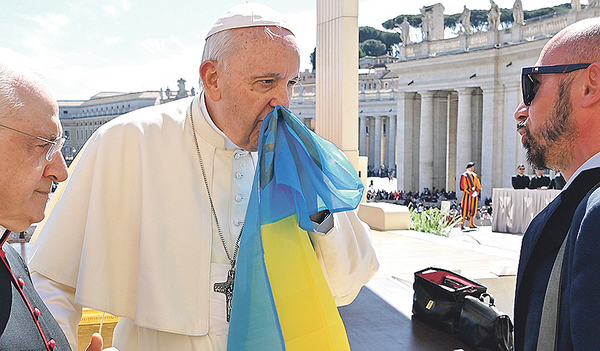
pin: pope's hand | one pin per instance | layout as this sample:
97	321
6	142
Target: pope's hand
97	343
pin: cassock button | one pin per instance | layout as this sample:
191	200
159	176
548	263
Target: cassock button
238	175
237	155
21	282
36	312
52	344
239	198
237	222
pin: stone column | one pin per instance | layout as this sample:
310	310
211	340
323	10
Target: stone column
337	86
377	143
404	141
451	134
371	145
463	132
488	152
391	143
362	136
426	141
513	149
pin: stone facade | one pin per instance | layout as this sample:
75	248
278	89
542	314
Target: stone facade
444	103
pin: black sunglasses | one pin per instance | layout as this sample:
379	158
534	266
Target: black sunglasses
529	85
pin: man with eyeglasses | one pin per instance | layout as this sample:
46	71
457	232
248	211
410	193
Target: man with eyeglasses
559	269
30	161
520	180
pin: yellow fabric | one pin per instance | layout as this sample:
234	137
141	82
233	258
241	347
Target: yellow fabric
289	253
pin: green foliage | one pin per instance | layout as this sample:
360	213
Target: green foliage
479	19
452	21
389	39
313	59
559	9
373	47
431	221
414	20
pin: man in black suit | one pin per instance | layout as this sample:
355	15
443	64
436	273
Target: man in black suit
520	180
30	161
539	180
559	122
558	182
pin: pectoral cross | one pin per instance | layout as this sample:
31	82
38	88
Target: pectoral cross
226	288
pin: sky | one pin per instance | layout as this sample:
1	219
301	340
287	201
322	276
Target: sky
83	47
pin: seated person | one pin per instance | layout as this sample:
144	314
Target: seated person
539	181
520	180
558	182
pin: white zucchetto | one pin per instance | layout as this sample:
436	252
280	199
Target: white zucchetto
248	15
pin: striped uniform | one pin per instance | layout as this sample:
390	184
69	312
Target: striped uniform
469	183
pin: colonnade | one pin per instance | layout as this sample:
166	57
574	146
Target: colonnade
432	138
449	124
377	140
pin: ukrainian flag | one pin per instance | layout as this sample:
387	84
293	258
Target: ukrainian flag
281	300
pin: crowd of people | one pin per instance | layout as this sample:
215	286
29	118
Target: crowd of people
426	199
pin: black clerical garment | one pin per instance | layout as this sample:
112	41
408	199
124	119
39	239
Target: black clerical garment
538	182
558	182
579	307
25	322
520	181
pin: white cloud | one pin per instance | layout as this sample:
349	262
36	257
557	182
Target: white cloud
116	7
152	46
51	23
125	5
110	10
113	40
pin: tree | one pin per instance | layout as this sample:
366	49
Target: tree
479	19
389	39
373	47
313	60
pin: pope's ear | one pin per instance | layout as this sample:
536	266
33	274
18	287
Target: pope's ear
209	73
592	85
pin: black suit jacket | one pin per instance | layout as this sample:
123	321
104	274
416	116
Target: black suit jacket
520	181
18	329
538	182
540	246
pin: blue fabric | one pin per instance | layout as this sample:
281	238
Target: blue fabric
298	173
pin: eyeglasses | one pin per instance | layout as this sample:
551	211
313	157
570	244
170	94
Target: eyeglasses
55	146
529	85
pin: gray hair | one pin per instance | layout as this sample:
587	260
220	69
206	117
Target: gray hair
219	47
222	45
10	100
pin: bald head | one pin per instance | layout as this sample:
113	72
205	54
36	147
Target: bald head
577	43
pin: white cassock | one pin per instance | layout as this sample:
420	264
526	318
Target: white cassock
131	232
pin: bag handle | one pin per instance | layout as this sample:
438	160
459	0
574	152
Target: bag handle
484	295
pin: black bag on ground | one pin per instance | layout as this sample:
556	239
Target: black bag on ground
438	296
483	326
